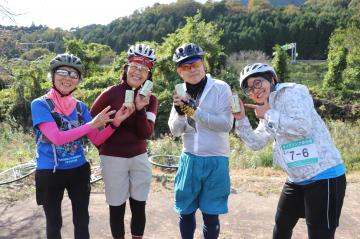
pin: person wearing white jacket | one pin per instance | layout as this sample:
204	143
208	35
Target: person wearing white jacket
202	117
302	147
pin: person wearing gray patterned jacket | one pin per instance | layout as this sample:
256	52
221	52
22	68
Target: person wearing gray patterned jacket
302	147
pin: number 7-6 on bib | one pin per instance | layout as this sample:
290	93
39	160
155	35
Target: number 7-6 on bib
300	153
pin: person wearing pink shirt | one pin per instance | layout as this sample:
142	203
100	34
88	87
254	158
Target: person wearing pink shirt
60	122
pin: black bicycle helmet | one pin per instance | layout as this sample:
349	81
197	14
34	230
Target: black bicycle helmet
186	52
67	60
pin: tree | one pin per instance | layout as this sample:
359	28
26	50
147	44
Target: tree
207	36
336	62
34	54
280	63
27	87
5	12
351	74
256	5
343	75
90	54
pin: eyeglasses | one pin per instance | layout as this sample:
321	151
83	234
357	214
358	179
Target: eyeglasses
257	84
66	73
142	69
186	67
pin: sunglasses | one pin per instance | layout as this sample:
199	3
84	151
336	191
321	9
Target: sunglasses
186	67
66	73
142	69
257	84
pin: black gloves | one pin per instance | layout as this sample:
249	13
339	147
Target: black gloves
178	110
189	107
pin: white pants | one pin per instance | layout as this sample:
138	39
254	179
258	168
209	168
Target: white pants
126	177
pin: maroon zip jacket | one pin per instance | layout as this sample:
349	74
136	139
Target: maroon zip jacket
129	139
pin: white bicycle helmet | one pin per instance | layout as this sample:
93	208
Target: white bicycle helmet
142	50
252	69
67	60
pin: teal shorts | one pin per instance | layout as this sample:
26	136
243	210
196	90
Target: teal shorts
202	182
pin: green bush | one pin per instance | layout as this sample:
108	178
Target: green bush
165	145
243	157
347	140
345	136
15	146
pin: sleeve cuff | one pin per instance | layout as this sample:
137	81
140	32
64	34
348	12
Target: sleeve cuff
272	118
241	122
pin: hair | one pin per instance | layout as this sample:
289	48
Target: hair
123	76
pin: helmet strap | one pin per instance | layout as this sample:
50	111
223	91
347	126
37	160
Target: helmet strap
61	94
54	87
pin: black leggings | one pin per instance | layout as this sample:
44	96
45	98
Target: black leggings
211	227
284	227
50	189
138	218
319	203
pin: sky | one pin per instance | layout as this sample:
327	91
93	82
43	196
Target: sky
71	13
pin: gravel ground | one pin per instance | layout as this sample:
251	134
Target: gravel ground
252	206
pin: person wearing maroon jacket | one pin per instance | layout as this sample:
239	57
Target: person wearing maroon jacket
124	161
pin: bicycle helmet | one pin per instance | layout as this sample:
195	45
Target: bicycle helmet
252	69
186	52
142	54
67	60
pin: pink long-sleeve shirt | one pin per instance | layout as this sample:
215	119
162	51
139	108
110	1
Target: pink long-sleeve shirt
58	137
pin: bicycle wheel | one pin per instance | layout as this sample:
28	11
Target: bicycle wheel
17	172
95	174
165	161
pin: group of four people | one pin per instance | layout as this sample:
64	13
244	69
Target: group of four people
203	117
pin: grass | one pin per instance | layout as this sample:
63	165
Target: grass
166	145
347	140
20	190
17	147
310	75
242	157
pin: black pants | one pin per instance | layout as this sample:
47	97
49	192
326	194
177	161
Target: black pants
50	189
319	203
211	227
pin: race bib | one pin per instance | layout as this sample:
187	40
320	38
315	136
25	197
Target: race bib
300	153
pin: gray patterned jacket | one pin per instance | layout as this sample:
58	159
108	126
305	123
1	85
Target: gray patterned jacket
291	118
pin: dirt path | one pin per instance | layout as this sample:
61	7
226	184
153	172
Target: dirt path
252	207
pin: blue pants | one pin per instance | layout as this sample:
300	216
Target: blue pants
202	182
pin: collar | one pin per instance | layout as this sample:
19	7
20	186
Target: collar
194	90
